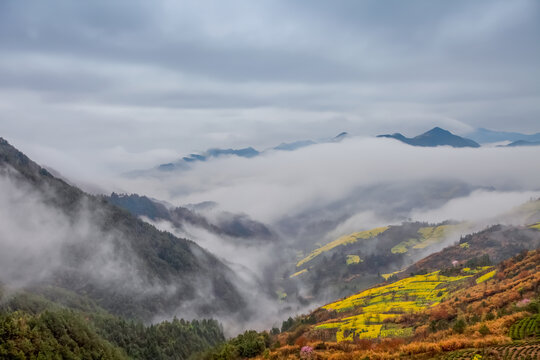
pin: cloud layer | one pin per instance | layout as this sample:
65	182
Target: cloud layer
278	185
118	78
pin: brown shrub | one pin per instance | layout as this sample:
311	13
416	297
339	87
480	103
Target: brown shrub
454	343
389	345
442	312
420	347
301	341
288	350
363	344
421	332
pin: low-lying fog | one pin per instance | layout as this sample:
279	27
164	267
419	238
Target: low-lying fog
315	194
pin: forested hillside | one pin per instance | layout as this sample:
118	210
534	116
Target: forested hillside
235	226
103	252
32	327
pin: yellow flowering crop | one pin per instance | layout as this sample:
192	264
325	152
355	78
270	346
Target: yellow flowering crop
298	273
344	240
374	305
486	277
535	226
353	259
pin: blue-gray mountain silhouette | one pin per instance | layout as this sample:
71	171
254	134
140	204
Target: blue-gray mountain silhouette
520	143
434	137
483	136
249	152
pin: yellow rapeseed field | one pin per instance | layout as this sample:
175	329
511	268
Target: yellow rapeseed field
344	240
535	226
486	277
298	273
353	259
374	305
427	236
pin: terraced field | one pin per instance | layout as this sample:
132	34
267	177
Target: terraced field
486	277
528	327
427	236
371	307
344	240
387	276
513	351
303	271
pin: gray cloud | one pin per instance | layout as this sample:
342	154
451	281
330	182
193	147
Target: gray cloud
316	194
283	184
131	73
35	238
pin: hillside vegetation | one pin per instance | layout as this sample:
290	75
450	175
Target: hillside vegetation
32	327
495	243
457	312
164	272
454	312
344	240
372	307
361	260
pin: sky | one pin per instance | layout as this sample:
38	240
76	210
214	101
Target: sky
94	89
114	86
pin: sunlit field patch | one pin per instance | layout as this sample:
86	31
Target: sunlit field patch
387	276
486	277
535	226
477	270
427	236
344	240
303	271
353	259
409	295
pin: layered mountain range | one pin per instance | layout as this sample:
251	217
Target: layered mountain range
249	152
99	264
104	252
432	138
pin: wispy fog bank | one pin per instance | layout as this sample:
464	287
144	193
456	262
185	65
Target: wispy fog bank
283	184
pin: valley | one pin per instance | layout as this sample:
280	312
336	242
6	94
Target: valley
296	180
390	281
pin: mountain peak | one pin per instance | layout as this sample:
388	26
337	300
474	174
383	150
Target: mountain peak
434	137
437	130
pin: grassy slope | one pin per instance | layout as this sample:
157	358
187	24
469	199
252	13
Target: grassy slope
498	242
344	240
427	236
465	312
359	260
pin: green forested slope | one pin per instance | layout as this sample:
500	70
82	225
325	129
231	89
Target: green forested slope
32	327
169	271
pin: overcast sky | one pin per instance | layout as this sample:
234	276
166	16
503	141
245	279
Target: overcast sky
140	82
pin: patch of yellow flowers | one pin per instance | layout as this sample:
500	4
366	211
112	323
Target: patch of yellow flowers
374	305
344	240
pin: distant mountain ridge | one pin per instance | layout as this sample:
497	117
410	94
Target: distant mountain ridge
183	163
232	225
248	152
520	143
434	137
484	136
